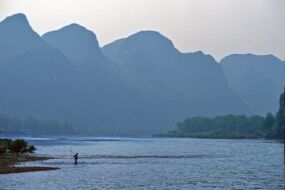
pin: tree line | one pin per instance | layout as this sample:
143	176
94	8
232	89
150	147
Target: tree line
233	126
34	126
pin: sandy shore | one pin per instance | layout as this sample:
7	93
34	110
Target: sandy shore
8	161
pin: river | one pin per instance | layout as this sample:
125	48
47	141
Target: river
153	163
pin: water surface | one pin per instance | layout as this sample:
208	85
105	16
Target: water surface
154	163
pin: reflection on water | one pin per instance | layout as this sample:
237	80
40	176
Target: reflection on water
151	163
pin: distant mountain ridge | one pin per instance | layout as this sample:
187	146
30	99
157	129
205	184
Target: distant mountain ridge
137	85
194	78
257	79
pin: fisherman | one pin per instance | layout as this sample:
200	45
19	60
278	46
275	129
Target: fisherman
75	156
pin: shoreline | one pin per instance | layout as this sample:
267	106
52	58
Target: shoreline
165	135
9	161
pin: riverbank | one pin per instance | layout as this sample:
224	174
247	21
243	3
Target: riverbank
8	162
208	136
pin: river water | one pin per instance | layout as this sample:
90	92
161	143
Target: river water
153	163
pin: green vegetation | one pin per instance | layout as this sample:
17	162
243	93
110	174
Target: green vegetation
15	146
34	126
276	131
230	126
233	126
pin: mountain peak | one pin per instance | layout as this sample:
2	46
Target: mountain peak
250	57
149	34
149	37
16	20
74	39
17	34
73	31
74	27
16	17
18	26
147	42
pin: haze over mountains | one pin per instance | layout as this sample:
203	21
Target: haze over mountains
137	85
256	79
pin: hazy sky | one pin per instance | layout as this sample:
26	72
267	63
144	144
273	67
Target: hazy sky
217	27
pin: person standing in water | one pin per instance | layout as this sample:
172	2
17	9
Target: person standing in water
75	156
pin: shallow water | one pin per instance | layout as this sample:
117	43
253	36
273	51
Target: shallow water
154	163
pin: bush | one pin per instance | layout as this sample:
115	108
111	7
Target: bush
18	146
3	150
31	149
